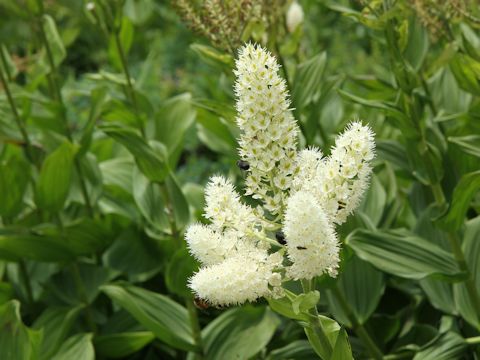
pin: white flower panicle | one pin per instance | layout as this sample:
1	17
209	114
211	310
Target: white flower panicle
343	177
305	192
269	131
241	278
311	241
294	17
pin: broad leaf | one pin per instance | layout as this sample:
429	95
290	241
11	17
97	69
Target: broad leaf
239	333
167	319
123	344
152	163
17	342
55	179
403	254
78	347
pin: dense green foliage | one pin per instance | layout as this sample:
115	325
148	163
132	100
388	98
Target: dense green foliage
113	114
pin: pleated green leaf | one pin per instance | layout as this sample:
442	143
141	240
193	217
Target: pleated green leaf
164	317
78	347
55	179
362	285
123	344
17	342
239	333
403	254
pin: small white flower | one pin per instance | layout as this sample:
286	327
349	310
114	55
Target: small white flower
295	16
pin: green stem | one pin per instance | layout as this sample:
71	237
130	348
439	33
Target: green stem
195	324
16	116
26	279
362	333
314	321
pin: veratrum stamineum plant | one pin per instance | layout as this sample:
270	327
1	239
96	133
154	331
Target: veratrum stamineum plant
248	252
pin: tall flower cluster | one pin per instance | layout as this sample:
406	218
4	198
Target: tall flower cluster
269	131
244	253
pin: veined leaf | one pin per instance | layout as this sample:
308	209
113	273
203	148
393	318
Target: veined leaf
239	333
55	178
403	254
466	188
77	347
123	344
168	320
17	342
149	161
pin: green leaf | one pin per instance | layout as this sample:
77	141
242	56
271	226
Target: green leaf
125	37
403	121
362	285
78	347
180	208
299	349
14	177
304	302
213	57
465	190
403	254
150	162
284	307
55	178
179	269
54	40
469	143
467	73
55	323
239	333
6	292
149	200
17	341
308	80
446	346
168	320
15	246
134	254
342	349
123	344
374	201
417	45
332	331
471	42
173	119
471	249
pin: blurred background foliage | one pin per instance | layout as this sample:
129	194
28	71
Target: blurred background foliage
113	114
